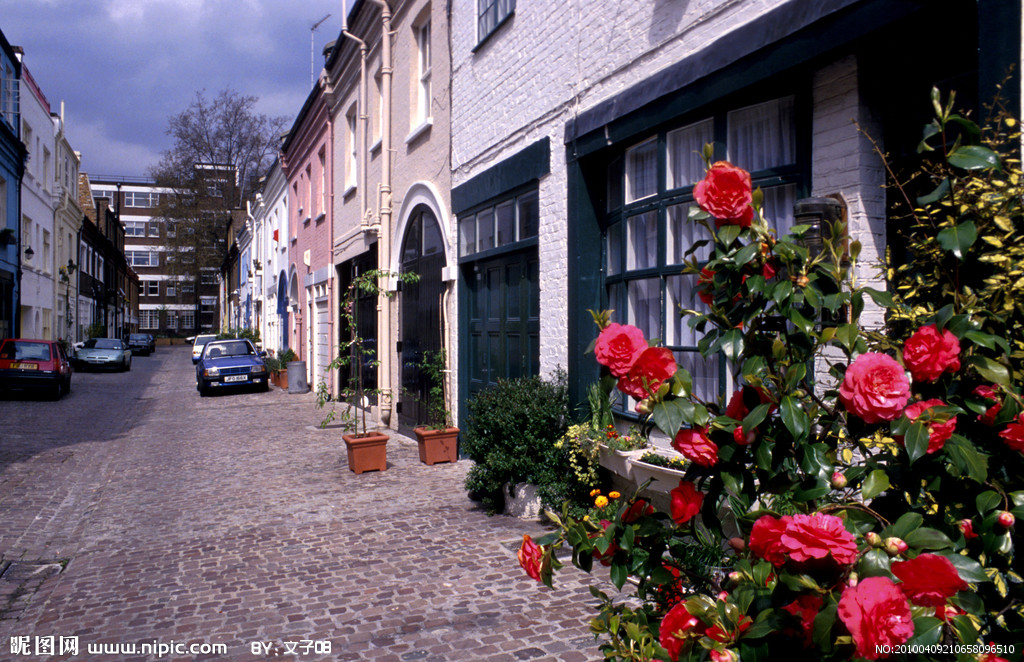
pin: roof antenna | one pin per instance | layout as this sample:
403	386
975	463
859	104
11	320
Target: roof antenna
312	58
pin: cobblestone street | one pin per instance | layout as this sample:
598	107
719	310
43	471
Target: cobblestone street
135	511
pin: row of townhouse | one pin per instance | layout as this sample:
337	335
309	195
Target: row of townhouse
534	161
63	273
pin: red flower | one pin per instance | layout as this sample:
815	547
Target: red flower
769	270
992	395
652	368
718	634
619	346
946	612
694	444
531	557
939	432
929	353
928	580
816	536
677	628
606	557
705	286
726	193
875	388
876	614
765	539
686	502
966	527
806	607
636	510
1013	434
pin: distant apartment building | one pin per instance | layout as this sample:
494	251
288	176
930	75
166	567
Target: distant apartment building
12	166
173	299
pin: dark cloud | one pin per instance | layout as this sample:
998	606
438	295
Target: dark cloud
122	67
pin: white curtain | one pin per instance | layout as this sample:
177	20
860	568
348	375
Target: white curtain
683	233
762	136
685	145
642	170
644	302
778	207
681	293
642	239
614	249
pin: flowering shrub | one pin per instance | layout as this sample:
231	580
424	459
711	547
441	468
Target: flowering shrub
865	487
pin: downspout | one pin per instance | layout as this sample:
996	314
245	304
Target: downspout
384	234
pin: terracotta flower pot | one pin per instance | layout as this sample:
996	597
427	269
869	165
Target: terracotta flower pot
282	378
367	451
438	445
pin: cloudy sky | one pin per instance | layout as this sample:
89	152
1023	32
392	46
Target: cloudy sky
122	67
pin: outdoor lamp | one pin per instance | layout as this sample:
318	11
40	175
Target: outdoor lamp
820	214
29	253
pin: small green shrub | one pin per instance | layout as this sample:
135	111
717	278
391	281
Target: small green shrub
511	433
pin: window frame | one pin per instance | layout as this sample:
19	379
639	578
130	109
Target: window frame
516	198
495	9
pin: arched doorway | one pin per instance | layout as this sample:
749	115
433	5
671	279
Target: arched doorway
422	253
282	308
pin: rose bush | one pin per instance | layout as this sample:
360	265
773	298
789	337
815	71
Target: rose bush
864	484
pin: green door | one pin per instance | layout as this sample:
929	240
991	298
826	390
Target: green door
502	327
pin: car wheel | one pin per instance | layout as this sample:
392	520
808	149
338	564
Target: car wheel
265	386
203	390
56	391
127	365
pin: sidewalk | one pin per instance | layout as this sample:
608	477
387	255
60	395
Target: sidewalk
234	520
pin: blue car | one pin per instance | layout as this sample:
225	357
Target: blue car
226	363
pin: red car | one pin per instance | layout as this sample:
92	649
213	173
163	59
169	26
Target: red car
34	365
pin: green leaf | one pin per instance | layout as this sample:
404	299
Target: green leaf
925	538
728	234
793	417
781	291
974	157
927	631
874	563
876	483
732	344
966	457
916	441
940	191
669	415
958	239
756	415
879	297
905	524
747	253
988	500
991	370
619	574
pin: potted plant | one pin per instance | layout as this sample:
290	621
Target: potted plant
281	372
439	439
366	449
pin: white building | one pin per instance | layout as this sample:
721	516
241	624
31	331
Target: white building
574	126
67	225
38	291
270	259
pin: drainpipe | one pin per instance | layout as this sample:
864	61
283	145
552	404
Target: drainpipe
384	235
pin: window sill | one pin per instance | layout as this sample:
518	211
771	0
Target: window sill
320	218
375	147
419	130
349	191
306	220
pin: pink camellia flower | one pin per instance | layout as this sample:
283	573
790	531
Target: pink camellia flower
686	502
929	579
695	446
652	368
966	527
766	539
531	557
618	347
817	536
726	193
875	388
877	614
992	395
938	432
678	630
705	285
1013	434
929	353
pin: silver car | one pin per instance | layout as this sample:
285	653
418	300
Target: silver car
110	353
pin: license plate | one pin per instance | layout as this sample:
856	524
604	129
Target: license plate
25	366
236	378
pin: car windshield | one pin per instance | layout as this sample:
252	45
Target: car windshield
137	337
202	340
221	349
102	343
19	350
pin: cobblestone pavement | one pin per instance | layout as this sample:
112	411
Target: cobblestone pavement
135	512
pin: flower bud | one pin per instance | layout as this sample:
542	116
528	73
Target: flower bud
838	480
722	596
735	576
873	539
852	580
738	544
723	656
895	546
966	527
1005	519
643	407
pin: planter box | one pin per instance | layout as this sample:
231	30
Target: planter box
618	462
367	452
438	445
664	479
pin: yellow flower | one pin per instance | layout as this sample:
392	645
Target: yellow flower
614	495
601	501
594	493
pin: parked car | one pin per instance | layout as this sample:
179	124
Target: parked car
141	343
40	365
103	353
233	362
199	343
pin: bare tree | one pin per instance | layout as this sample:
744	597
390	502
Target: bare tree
221	148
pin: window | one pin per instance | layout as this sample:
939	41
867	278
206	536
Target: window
648	233
188	288
187	319
322	159
141	199
378	84
172	228
154	229
172	320
9	95
208	279
152	288
423	73
491	14
353	151
171	291
149	319
135	228
508	221
143	258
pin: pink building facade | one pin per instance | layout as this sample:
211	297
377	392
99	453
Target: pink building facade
307	164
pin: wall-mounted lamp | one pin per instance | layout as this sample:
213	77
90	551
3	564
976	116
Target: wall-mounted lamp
29	253
821	215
